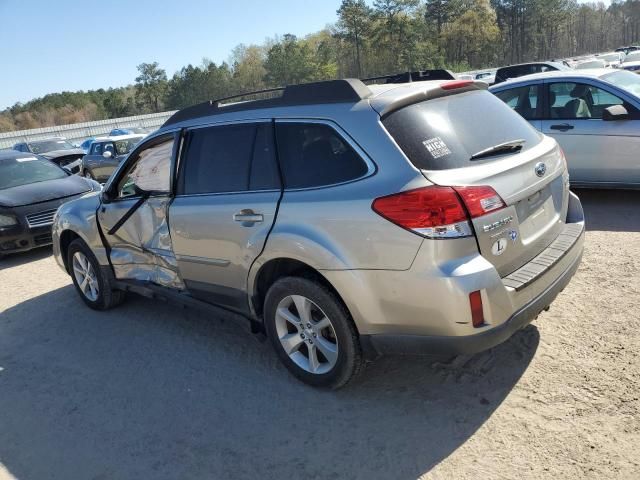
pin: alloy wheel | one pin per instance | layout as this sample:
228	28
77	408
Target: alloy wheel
85	276
306	334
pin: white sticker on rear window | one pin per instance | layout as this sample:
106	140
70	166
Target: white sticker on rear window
436	147
26	159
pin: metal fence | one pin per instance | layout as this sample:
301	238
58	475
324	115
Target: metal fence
77	132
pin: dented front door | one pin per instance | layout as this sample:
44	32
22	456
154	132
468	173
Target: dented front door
134	221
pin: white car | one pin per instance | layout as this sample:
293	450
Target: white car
591	63
613	59
631	62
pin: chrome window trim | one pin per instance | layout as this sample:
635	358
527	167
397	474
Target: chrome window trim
371	166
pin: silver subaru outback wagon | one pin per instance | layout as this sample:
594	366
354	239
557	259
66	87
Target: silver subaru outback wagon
344	221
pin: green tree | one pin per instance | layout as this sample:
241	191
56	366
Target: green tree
151	86
354	25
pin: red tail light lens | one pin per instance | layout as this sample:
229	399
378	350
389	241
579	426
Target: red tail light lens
477	314
435	212
480	200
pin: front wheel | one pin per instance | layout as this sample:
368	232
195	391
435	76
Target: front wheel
94	286
312	332
87	174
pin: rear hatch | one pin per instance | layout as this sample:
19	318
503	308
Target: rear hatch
472	139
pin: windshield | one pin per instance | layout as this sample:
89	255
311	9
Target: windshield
125	146
446	132
23	171
49	146
625	80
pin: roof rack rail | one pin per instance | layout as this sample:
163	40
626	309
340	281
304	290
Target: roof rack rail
417	76
330	91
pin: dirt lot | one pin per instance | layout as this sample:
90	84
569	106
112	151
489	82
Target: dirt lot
152	391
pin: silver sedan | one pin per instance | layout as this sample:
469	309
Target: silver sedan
593	114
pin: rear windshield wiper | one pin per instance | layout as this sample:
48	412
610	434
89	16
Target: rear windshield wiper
511	146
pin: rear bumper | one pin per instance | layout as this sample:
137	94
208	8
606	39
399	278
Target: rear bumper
426	309
434	345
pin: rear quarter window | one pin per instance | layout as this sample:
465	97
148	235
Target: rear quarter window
446	132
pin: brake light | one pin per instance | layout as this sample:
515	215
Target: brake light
438	212
453	84
480	200
434	212
477	314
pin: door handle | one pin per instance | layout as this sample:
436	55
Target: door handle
563	127
248	216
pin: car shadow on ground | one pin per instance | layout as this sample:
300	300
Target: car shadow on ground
611	210
154	391
17	259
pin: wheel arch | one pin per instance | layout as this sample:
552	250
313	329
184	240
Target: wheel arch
276	268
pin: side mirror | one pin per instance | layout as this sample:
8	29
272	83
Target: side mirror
107	154
615	112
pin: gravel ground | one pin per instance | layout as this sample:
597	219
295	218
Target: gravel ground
155	391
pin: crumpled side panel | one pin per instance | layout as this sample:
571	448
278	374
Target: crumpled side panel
143	250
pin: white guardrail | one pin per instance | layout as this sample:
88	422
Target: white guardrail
77	132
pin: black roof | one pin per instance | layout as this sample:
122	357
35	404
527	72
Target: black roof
332	91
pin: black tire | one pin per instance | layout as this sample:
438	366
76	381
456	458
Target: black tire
349	360
90	176
107	297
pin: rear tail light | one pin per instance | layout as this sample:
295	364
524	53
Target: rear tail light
438	212
477	314
480	200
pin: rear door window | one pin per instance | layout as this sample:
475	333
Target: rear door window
229	158
523	100
446	132
314	155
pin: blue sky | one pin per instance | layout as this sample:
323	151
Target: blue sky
54	45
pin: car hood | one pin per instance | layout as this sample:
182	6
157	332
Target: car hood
44	191
62	153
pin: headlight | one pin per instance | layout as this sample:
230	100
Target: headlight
8	220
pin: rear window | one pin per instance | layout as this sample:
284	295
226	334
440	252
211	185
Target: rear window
445	132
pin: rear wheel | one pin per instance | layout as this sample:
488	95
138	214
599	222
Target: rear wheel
94	286
312	332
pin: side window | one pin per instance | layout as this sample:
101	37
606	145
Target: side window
149	171
575	101
229	158
313	155
96	149
523	100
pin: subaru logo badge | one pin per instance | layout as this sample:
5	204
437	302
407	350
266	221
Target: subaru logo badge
540	169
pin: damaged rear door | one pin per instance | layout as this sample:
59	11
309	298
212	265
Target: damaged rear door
133	219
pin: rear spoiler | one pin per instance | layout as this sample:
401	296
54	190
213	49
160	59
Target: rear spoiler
415	95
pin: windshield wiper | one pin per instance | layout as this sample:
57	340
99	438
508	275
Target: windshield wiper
511	146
